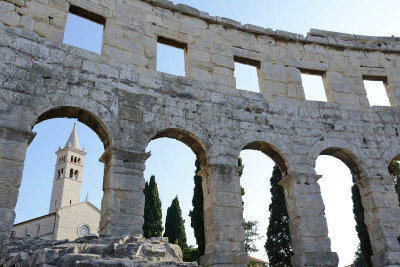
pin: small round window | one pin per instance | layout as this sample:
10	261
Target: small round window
83	230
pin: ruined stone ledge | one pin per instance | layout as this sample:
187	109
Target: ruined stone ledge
94	251
320	37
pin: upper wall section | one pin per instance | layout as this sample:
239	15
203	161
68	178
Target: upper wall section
212	44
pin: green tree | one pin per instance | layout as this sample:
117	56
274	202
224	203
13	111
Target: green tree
152	226
359	260
365	249
190	254
196	214
278	244
394	169
174	225
251	235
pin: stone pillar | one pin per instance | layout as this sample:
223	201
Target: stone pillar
393	88
122	205
307	222
223	216
382	217
13	145
346	88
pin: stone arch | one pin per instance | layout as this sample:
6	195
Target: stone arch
192	141
346	157
275	147
271	151
83	115
342	151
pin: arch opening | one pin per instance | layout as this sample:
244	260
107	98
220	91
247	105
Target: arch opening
176	156
394	171
340	168
263	166
54	135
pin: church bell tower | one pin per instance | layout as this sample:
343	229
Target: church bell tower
68	174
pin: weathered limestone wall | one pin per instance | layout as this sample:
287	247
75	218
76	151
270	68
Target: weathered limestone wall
71	217
121	96
41	227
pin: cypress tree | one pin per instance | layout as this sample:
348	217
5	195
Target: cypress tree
196	215
278	244
152	226
359	260
365	249
174	228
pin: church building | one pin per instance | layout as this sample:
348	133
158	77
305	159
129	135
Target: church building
68	218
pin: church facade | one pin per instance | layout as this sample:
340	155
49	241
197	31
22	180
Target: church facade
68	218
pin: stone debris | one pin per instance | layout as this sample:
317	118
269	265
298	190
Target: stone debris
94	251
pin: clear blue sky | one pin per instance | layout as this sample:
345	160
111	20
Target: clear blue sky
173	163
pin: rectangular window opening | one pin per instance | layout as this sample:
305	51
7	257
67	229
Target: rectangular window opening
246	74
171	56
84	29
376	90
313	85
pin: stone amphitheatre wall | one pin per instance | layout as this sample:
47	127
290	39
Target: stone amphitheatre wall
121	96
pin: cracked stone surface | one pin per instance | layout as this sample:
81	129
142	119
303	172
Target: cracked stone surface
94	251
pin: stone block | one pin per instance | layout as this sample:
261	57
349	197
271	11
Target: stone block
10	18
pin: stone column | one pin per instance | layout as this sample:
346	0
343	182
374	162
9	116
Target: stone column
393	88
382	217
307	222
122	205
223	216
346	88
13	145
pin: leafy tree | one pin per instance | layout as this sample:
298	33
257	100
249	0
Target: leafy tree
278	244
190	254
394	169
251	235
174	225
365	249
359	260
196	215
152	226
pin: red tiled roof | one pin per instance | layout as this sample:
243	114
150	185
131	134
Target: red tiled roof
256	260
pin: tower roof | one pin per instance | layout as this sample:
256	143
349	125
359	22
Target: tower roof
72	141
